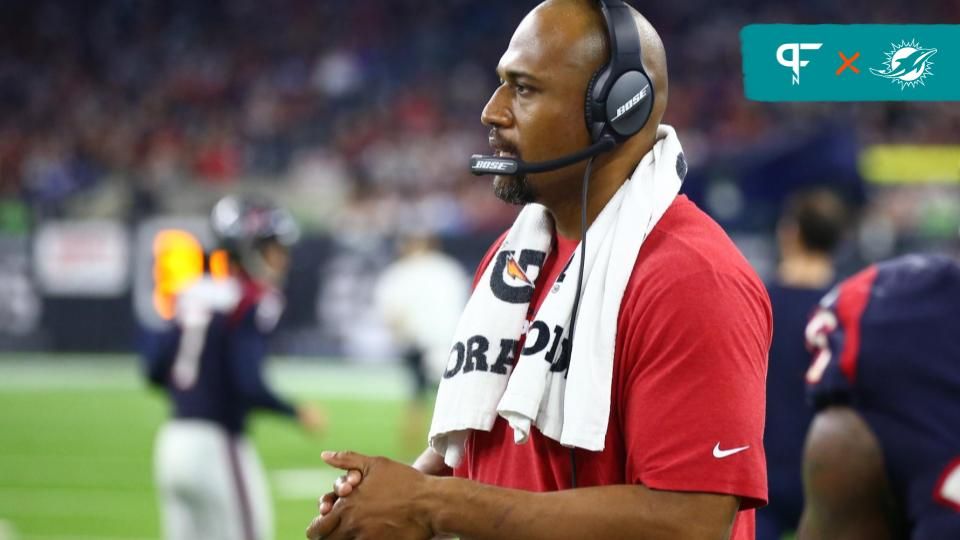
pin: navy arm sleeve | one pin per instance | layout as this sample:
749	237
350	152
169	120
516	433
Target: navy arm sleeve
247	356
158	351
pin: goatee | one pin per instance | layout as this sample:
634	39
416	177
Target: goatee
514	190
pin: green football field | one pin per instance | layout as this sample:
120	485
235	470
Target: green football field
76	436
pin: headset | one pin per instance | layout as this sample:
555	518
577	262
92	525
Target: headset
619	100
617	105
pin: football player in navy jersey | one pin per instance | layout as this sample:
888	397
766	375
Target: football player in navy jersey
210	363
811	227
882	458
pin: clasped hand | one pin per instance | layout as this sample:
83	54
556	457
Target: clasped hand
376	498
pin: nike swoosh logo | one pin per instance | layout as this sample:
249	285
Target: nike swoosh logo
720	454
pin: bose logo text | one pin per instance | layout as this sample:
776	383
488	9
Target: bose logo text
493	165
629	105
794	62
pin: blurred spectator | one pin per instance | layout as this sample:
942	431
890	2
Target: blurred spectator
420	296
810	228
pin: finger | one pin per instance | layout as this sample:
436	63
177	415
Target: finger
354	477
312	532
344	484
346	460
323	526
325	503
342	487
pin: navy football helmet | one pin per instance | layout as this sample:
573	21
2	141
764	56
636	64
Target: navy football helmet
244	225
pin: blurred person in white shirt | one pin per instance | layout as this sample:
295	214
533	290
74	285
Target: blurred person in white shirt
420	296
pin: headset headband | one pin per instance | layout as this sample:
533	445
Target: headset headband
620	95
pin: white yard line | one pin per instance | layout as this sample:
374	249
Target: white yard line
7	532
63	537
300	377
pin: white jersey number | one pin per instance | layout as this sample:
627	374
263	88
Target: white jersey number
817	332
186	367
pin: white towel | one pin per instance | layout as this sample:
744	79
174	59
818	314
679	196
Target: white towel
570	404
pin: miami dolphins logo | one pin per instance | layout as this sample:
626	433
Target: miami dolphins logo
907	64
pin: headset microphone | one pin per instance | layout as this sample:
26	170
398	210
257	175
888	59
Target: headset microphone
481	165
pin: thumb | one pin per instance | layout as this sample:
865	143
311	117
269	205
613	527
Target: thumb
346	460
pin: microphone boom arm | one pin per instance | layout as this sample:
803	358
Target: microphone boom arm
483	165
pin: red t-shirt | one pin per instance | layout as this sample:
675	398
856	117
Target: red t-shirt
688	381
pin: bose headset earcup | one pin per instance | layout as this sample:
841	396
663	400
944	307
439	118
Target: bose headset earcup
629	103
619	108
594	123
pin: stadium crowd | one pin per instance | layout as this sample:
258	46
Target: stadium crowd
360	113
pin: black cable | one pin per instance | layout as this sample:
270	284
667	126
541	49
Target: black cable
583	250
576	299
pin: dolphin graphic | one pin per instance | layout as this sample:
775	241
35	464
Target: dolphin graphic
907	64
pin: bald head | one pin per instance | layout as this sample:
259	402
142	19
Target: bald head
573	30
582	27
654	62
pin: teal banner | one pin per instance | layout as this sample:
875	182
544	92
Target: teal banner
856	62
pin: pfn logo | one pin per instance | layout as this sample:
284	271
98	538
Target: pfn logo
794	62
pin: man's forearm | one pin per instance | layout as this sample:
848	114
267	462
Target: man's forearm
479	512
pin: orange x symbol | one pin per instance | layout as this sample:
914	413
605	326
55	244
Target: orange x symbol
848	62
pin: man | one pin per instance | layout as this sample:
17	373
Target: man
881	458
680	452
211	483
420	296
807	234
